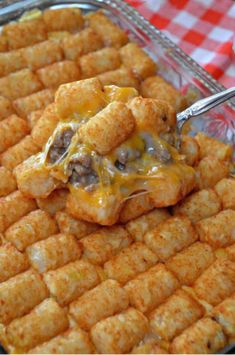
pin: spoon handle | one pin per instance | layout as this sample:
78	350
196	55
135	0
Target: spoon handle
204	105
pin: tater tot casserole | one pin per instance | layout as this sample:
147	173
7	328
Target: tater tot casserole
113	239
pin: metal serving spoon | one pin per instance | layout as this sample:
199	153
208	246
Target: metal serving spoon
203	106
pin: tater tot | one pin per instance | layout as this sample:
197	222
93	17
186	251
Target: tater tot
231	252
103	301
139	226
225	188
170	236
79	97
13	207
45	126
33	179
203	337
53	252
199	205
68	19
35	226
12	130
151	288
218	230
172	188
59	73
209	171
11	62
154	115
217	282
175	315
188	265
12	262
55	202
33	117
19	84
6	108
210	146
100	246
121	77
148	346
70	225
43	323
74	341
20	294
129	262
129	327
224	314
111	34
71	281
138	60
3	44
7	182
190	148
135	207
26	33
81	43
108	128
19	152
36	101
105	59
156	87
42	54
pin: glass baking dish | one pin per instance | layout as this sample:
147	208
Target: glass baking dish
174	65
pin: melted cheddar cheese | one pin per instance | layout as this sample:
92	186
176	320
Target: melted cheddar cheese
141	174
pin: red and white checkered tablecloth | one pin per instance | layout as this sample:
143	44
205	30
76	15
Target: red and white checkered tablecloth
204	29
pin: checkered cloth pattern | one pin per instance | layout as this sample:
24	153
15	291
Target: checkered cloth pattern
204	29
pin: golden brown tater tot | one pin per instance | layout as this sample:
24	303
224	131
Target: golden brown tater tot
12	130
170	236
13	207
11	62
7	182
121	77
138	60
12	262
190	148
44	322
94	63
108	128
201	204
225	188
103	301
53	252
35	226
143	224
20	294
68	224
84	42
136	206
188	264
55	202
37	101
59	73
26	33
217	282
129	327
151	288
67	19
6	108
210	146
69	282
129	262
156	87
218	230
16	154
203	337
175	315
111	34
